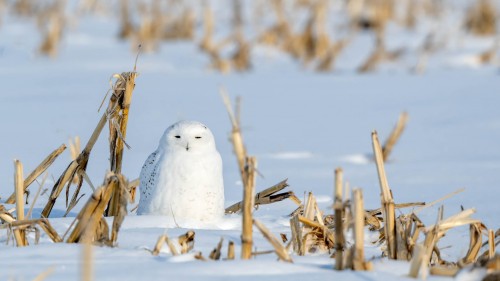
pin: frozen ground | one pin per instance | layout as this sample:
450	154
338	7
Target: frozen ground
299	124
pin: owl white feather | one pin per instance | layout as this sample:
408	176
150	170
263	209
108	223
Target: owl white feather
183	177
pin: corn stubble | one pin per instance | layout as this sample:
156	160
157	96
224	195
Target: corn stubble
316	41
90	225
312	231
481	18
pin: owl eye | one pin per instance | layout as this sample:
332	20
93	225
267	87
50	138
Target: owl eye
197	137
177	137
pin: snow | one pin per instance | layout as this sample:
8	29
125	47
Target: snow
300	125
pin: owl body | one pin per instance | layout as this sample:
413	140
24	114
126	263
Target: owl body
183	177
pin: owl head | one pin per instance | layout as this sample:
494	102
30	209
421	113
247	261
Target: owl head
189	137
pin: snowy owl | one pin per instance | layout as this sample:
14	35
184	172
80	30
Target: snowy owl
182	179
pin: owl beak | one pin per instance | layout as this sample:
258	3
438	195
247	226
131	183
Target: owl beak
187	147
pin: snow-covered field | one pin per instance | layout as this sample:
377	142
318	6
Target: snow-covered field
299	124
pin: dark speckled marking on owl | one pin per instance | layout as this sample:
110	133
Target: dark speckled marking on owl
152	158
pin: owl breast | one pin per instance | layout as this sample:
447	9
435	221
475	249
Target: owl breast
189	187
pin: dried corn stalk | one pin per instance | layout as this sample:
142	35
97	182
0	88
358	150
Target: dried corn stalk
132	187
327	61
476	230
491	242
394	136
42	167
492	266
127	28
87	264
338	207
481	18
44	274
76	168
314	235
314	39
5	215
19	191
358	261
248	198
151	27
267	196
199	256
101	234
431	44
180	26
118	111
279	33
372	15
75	150
230	250
296	230
240	60
162	240
90	216
279	249
444	270
387	200
216	252
379	55
23	225
54	29
408	229
121	195
186	241
236	137
432	235
206	43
